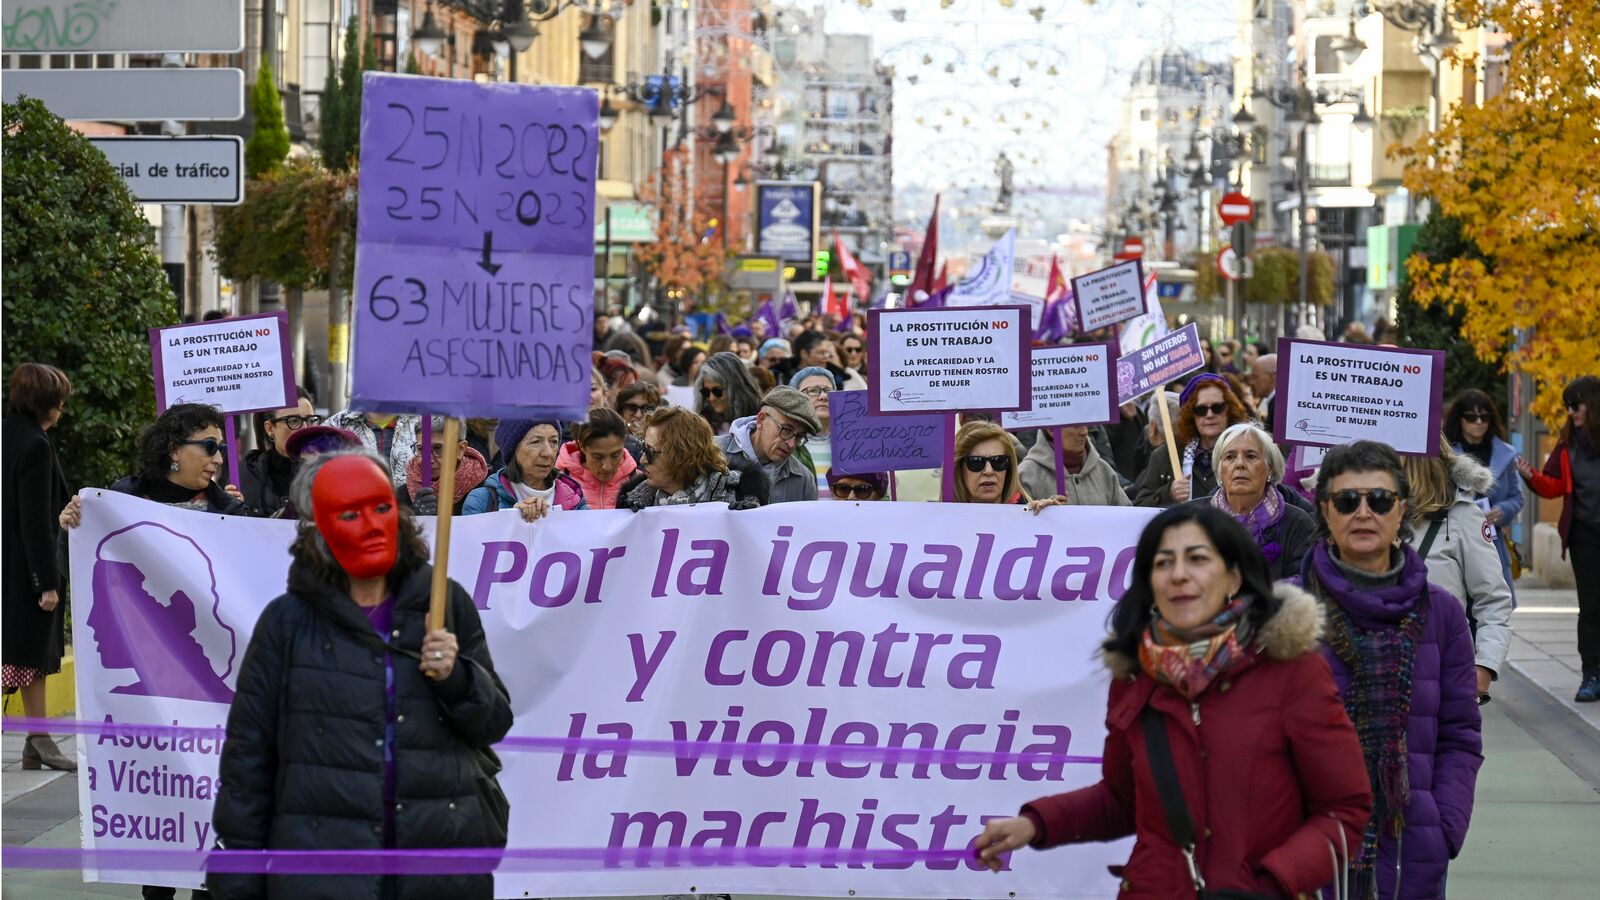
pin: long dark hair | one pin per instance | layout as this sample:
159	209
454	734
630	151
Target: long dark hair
1581	391
1472	400
167	432
1131	616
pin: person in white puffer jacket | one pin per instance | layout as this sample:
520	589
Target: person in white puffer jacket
1458	544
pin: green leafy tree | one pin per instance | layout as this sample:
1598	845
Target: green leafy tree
340	140
412	66
83	285
288	227
1438	326
268	146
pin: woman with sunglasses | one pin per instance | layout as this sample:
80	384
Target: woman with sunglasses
724	391
1473	427
1403	659
635	403
864	487
1207	653
987	471
180	455
1573	472
682	464
853	354
1206	408
266	472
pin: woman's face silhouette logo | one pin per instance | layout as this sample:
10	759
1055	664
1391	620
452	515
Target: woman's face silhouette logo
155	611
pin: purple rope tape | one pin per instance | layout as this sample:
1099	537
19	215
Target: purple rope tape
456	861
640	746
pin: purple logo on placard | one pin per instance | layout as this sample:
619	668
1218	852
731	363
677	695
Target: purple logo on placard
161	622
897	394
1126	378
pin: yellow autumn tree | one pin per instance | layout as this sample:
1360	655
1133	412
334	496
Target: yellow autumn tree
686	255
1520	175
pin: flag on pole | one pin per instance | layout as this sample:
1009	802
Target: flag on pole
852	268
942	280
791	307
769	314
922	277
1058	285
723	326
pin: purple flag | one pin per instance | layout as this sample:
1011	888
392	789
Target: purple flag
882	300
846	325
791	307
769	314
722	324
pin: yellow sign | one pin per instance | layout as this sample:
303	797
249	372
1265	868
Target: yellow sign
338	343
758	265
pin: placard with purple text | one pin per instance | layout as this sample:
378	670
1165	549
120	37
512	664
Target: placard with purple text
1072	385
950	360
1162	362
1331	394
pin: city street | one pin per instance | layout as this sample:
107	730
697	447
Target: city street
1533	825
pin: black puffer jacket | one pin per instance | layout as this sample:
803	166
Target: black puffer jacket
302	767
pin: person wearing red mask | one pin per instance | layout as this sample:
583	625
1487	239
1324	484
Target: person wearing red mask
354	727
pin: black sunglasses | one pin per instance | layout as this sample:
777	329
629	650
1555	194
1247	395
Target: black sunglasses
638	409
1215	409
711	392
853	491
1475	417
209	446
647	454
976	464
1379	500
295	422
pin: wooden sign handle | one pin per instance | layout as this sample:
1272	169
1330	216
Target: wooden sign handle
1166	429
441	531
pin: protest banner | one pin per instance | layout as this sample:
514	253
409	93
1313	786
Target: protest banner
1072	385
797	683
1110	295
864	443
475	248
239	365
990	283
1331	394
949	360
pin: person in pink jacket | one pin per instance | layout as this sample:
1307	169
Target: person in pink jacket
597	459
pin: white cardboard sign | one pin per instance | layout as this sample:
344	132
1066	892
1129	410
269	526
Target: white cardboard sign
949	360
1072	385
1110	295
1331	394
238	365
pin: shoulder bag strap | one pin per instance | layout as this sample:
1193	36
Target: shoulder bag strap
1428	537
1165	773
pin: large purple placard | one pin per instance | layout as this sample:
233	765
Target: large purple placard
863	442
475	248
1159	363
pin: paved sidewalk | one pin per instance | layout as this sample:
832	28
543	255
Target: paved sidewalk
1544	645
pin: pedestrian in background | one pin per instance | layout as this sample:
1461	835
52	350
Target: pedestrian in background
817	452
636	402
860	486
392	437
471	470
1473	427
35	568
1090	479
725	392
1214	675
266	472
301	768
1403	659
1452	536
1573	472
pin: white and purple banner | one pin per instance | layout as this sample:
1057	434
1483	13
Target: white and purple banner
786	678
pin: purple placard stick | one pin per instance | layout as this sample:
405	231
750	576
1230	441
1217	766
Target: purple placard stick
427	451
1061	463
230	434
475	248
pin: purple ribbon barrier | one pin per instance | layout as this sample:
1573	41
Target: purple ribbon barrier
456	861
634	746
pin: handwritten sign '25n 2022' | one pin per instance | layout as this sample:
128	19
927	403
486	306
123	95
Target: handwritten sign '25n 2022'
475	247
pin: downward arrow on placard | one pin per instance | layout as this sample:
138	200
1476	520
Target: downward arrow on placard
493	268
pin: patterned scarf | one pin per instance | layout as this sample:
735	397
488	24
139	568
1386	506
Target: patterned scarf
1266	515
1190	659
1379	703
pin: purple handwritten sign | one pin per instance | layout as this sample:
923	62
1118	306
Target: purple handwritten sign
1158	363
475	248
864	442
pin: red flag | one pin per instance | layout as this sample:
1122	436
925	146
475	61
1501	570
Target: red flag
833	304
1057	286
852	268
943	279
923	278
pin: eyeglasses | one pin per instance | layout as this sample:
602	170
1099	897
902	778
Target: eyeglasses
209	446
791	435
854	350
1380	500
711	392
853	491
1474	417
1215	409
295	422
976	464
647	454
814	392
637	409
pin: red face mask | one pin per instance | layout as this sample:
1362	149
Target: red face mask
354	507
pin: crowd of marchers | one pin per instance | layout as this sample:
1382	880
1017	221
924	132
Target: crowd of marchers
1295	672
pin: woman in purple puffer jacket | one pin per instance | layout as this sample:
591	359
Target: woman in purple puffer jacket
1402	656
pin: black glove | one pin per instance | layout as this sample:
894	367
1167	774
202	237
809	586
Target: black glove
426	502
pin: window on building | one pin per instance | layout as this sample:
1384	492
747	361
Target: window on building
1325	59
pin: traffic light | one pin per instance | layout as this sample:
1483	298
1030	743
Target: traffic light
824	262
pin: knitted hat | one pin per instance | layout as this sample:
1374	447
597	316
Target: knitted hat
807	372
742	331
778	343
794	405
510	432
878	480
1200	381
314	439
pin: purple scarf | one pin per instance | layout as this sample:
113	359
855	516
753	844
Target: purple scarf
1265	516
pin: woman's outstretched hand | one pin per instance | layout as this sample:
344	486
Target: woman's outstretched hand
1003	836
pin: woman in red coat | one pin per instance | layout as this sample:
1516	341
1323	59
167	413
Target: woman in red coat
1205	652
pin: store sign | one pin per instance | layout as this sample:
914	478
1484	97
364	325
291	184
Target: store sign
787	218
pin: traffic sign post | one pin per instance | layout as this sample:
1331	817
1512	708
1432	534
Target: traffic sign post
125	26
207	169
1235	207
132	95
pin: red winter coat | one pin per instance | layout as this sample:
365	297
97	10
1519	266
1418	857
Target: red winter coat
1268	760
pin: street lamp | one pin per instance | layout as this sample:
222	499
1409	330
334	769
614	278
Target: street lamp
594	40
429	37
608	114
724	117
